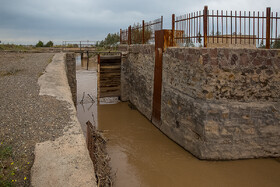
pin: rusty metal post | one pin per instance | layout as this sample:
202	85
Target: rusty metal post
80	45
173	30
143	32
120	36
129	36
205	23
268	13
98	62
161	20
87	59
162	41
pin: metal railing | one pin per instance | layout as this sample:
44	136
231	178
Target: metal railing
141	33
231	27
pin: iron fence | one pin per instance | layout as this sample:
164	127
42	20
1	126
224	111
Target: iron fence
207	28
141	33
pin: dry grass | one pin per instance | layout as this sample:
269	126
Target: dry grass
9	72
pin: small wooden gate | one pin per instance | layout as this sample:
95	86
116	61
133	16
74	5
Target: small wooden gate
109	76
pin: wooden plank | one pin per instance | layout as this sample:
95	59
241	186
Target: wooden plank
109	77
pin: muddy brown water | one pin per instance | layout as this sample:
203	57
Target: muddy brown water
143	156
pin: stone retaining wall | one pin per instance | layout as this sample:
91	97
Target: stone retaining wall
71	75
216	103
137	77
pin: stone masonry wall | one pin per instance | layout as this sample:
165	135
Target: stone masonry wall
222	103
216	103
71	75
137	77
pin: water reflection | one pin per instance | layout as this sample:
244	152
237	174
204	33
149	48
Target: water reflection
86	92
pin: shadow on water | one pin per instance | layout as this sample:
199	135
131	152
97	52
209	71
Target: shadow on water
142	156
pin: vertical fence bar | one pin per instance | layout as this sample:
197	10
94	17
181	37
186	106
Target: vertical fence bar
205	23
235	27
217	26
188	27
268	12
231	26
271	28
262	26
143	32
191	25
120	36
87	59
226	27
129	36
222	14
276	26
173	30
249	26
213	31
258	27
240	26
190	33
253	27
161	22
244	26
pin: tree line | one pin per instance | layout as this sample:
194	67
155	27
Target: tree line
41	44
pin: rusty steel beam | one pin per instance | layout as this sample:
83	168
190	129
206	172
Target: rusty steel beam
162	41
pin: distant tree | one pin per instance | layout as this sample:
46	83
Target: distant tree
49	44
276	43
110	40
137	34
40	44
189	43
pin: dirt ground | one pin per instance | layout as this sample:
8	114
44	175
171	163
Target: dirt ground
25	117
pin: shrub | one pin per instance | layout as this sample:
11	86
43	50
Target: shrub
40	44
49	44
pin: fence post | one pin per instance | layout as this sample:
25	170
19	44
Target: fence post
161	20
268	13
129	35
143	32
205	24
173	30
87	59
120	36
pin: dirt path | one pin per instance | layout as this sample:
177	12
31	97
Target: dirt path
25	117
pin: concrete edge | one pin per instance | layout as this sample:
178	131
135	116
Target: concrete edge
65	161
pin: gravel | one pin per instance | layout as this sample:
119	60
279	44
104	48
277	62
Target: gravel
25	117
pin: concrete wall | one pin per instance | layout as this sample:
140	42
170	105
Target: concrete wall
216	103
71	75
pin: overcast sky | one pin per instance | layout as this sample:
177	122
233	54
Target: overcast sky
27	21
